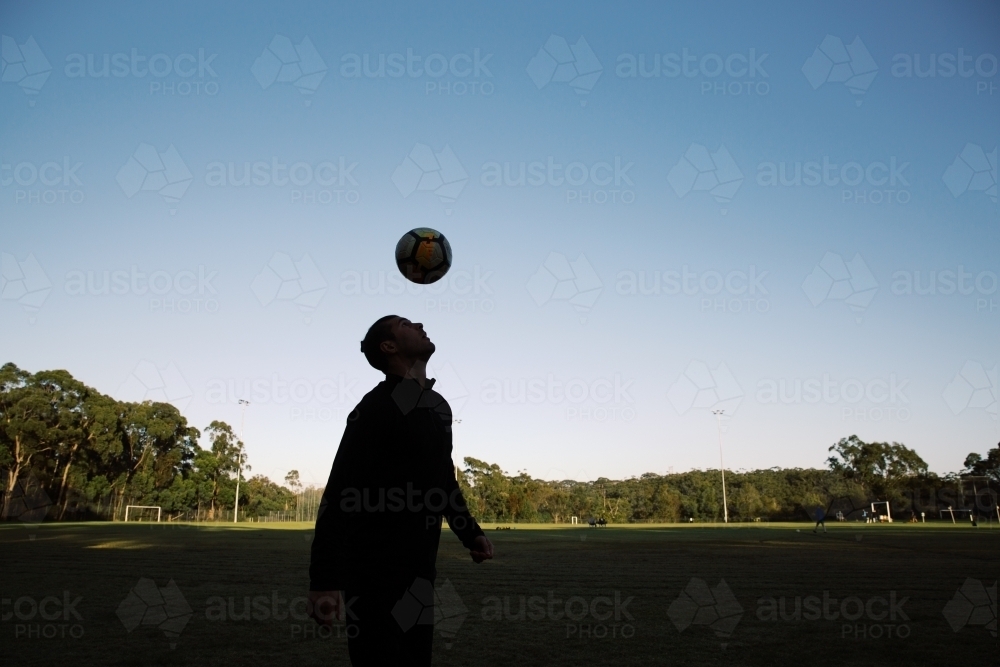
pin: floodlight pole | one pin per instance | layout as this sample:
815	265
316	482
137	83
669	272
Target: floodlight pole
239	461
725	509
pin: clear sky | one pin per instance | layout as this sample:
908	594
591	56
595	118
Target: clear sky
657	210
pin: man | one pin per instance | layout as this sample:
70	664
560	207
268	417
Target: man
820	515
379	524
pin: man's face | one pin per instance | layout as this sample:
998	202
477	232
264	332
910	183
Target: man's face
411	342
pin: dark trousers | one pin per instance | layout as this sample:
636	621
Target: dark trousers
392	627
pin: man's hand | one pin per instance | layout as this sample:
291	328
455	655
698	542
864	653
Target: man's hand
326	606
482	549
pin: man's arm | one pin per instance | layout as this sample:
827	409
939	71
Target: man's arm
334	537
331	540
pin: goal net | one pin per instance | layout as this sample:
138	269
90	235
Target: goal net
142	513
881	511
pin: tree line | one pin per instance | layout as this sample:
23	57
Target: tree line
68	451
857	473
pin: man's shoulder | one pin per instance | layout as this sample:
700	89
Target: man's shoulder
396	397
378	395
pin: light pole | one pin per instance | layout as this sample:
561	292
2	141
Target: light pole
718	418
239	461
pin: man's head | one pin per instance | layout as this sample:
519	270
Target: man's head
393	344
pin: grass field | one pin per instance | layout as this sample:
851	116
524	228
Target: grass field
893	581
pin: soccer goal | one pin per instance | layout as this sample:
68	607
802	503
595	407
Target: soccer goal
952	513
142	512
879	517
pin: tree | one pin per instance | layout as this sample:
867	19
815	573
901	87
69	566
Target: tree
747	501
93	454
985	467
293	481
488	489
265	496
880	468
29	426
101	433
218	464
157	444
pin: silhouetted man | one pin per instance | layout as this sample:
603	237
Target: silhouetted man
376	540
820	515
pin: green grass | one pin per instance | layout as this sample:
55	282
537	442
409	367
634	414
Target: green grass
100	563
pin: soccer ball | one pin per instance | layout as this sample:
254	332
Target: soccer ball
423	255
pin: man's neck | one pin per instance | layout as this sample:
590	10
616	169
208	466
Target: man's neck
413	370
418	371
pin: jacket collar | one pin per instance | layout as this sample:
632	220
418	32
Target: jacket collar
392	380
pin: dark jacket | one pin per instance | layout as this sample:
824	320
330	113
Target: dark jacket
393	478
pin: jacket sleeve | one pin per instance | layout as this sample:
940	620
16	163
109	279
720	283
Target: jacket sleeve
461	522
335	536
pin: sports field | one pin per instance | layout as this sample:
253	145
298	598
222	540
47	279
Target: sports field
153	594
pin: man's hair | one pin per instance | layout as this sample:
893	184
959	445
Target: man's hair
372	344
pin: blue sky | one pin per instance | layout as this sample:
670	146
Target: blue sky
634	161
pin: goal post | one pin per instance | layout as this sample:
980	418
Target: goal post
144	507
888	510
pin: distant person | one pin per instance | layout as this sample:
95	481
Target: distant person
377	534
864	515
820	515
